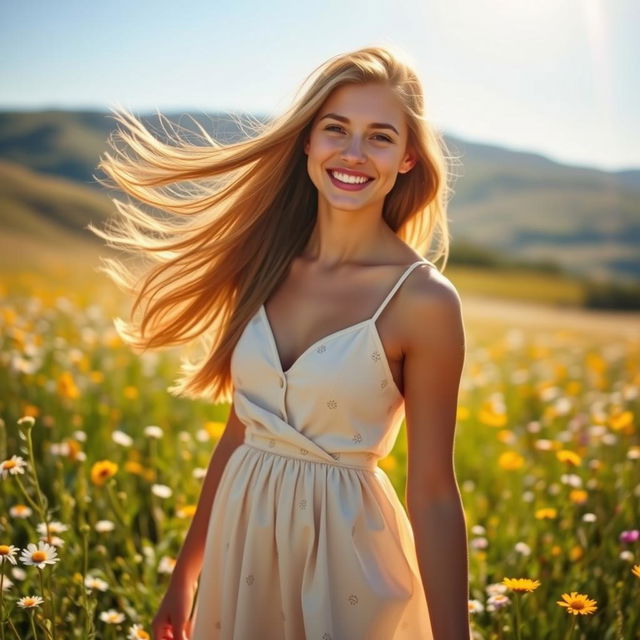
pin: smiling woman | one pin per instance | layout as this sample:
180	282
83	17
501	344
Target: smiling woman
302	271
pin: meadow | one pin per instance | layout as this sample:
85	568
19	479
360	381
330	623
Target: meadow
101	468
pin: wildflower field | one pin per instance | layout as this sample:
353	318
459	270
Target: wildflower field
101	469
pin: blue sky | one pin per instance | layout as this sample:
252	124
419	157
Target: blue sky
550	76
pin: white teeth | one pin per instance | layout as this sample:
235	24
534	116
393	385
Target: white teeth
343	177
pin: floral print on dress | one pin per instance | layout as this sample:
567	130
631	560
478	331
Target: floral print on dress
383	383
272	443
250	579
321	349
375	356
304	451
302	504
357	438
332	404
353	599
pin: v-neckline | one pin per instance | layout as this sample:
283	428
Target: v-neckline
329	336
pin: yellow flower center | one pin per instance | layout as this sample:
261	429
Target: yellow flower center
38	556
8	464
4	549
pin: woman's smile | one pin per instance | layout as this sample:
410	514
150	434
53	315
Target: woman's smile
347	180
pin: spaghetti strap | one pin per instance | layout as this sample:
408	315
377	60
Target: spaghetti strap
396	286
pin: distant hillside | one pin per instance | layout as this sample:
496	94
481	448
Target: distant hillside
48	207
520	204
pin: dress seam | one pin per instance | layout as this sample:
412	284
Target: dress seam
301	459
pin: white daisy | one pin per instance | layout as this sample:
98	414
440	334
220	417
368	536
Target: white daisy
112	616
28	420
30	601
18	573
496	588
153	431
475	606
161	490
93	582
13	466
121	438
103	526
20	511
166	564
498	601
523	548
39	556
55	541
136	632
7	552
54	527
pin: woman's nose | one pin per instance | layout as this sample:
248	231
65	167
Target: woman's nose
353	150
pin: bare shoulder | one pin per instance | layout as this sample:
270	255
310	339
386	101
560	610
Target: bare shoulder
432	310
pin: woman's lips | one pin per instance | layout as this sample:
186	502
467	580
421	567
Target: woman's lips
346	186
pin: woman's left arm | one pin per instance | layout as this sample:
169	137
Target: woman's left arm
433	362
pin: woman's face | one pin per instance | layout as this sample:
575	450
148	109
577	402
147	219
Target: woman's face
357	147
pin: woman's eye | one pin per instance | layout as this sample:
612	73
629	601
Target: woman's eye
336	127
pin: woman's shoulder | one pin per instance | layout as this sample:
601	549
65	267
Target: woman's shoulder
430	297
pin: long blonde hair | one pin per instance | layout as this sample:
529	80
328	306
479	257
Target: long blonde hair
228	242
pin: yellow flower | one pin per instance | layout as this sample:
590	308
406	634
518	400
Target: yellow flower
505	436
576	553
133	466
596	363
577	603
521	585
636	570
570	457
492	417
462	413
96	376
621	420
510	460
573	388
389	463
186	511
66	386
556	550
546	513
214	429
102	471
130	392
149	474
578	496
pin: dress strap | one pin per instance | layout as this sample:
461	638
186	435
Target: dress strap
396	286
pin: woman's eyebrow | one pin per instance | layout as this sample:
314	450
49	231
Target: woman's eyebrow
373	125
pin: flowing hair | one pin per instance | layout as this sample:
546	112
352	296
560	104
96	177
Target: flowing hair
239	212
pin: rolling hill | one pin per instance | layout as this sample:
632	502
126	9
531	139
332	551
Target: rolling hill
518	204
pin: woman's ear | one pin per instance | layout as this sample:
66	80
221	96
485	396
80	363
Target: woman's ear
408	162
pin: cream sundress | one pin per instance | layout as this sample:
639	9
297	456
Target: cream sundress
307	537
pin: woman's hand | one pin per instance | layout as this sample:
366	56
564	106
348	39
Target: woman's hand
172	621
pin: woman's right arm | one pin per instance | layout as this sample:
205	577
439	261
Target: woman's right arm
189	560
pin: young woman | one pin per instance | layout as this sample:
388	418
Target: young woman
300	270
